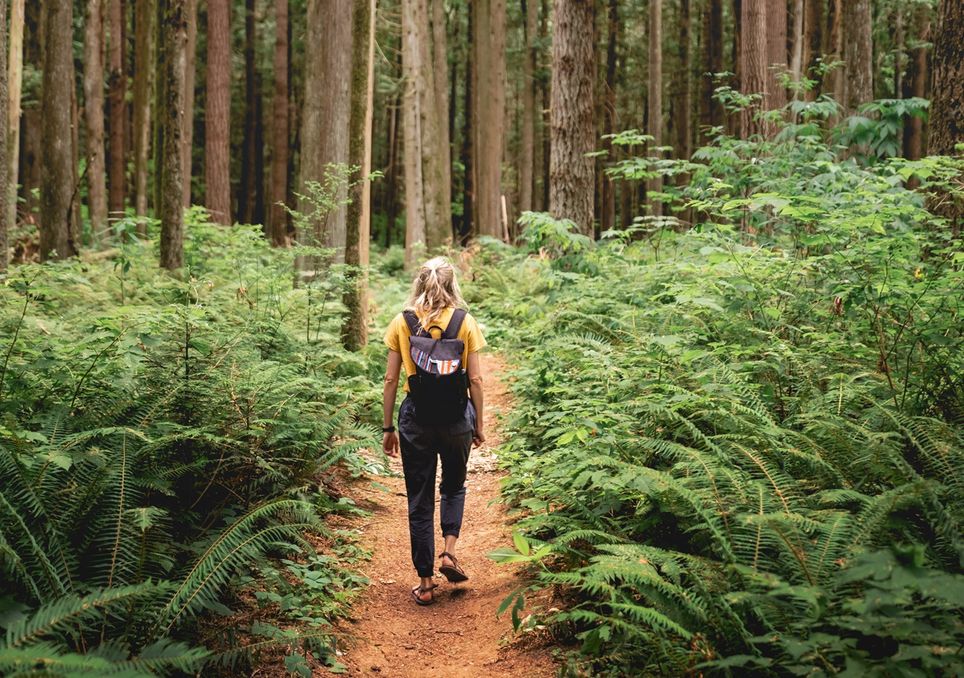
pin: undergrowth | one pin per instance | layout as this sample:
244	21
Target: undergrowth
161	442
737	449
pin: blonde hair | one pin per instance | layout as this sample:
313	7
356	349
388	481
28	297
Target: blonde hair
434	289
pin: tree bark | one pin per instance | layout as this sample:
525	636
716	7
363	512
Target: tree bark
190	73
469	121
117	84
527	144
173	44
5	194
946	125
57	227
325	113
682	102
813	42
413	35
355	329
217	113
278	187
94	116
796	53
753	58
442	156
15	91
776	37
489	110
858	53
655	98
143	78
607	208
542	195
251	200
915	84
711	111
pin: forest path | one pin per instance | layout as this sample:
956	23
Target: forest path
459	635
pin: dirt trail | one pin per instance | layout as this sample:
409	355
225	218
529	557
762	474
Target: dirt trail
458	636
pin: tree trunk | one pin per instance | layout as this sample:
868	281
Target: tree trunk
143	77
278	187
57	228
946	125
173	44
28	170
527	144
325	114
734	121
413	35
15	90
542	195
217	113
682	103
776	37
5	194
190	73
489	110
442	142
94	116
355	329
469	120
711	111
251	199
915	83
117	84
391	171
655	97
753	58
813	42
858	53
607	198
796	53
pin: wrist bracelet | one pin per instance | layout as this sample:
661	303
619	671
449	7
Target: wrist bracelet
388	429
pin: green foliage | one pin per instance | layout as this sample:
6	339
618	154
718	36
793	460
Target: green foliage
156	439
737	449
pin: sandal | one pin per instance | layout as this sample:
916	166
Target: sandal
419	590
453	573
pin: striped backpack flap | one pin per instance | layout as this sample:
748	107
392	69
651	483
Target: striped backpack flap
438	386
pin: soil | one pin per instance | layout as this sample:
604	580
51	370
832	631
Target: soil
459	636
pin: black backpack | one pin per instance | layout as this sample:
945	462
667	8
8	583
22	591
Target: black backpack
439	385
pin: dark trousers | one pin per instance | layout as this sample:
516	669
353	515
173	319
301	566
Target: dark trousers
422	447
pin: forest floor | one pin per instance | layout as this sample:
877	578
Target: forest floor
459	635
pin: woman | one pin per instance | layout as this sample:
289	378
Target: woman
422	439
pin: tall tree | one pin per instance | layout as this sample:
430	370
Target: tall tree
796	52
858	53
571	174
190	74
326	110
469	120
117	84
14	88
813	42
251	199
946	125
57	227
217	113
682	106
776	37
355	330
915	84
488	109
607	196
711	110
753	62
4	147
427	193
527	154
143	77
278	134
655	98
94	116
171	52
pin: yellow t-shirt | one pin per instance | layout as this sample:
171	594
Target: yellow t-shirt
397	338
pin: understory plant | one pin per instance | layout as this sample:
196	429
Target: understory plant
737	443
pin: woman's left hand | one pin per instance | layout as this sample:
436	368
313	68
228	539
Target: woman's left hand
390	444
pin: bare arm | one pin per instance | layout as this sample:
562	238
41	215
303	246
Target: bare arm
475	391
390	390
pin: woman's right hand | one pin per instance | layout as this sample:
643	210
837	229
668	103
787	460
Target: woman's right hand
478	437
390	444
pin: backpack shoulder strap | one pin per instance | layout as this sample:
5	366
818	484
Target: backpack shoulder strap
455	324
414	326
